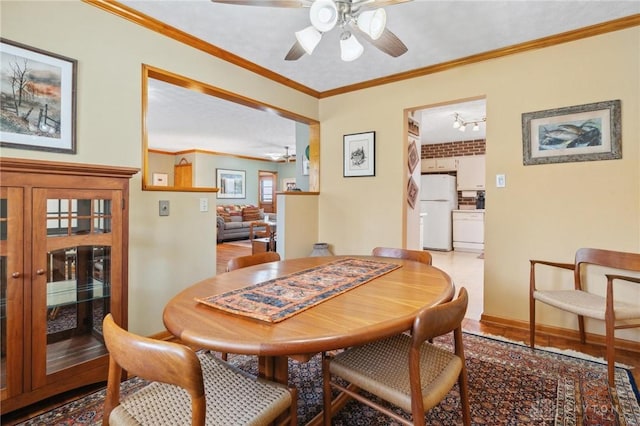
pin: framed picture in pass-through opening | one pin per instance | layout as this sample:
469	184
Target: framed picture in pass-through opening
231	183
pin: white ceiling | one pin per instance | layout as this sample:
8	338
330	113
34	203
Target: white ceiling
434	32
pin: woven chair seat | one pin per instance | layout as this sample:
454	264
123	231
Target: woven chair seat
388	376
233	398
587	304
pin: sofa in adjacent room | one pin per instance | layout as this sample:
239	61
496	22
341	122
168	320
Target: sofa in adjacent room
233	221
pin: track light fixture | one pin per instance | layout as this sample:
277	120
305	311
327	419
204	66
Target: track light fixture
461	124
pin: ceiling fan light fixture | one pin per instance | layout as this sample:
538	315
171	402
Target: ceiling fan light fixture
475	127
308	38
323	15
350	47
373	22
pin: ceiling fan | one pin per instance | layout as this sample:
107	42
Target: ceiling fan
366	18
286	156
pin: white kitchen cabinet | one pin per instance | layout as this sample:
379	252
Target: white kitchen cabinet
436	165
471	173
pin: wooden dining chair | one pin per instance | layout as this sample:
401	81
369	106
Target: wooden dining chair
587	301
249	260
252	259
219	392
399	253
404	370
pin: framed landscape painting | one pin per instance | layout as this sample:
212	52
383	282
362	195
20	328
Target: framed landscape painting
38	91
231	183
360	154
576	133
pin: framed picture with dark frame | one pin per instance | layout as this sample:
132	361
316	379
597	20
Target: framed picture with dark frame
231	183
359	154
38	99
576	133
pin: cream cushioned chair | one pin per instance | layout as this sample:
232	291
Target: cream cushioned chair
404	370
186	388
616	314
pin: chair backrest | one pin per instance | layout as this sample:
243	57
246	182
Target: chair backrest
252	259
606	258
266	232
153	360
433	322
440	319
609	258
398	253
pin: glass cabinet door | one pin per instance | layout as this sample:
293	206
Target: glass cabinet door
76	239
11	286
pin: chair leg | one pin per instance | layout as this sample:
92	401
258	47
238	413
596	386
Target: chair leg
583	335
326	391
532	322
463	384
224	356
611	353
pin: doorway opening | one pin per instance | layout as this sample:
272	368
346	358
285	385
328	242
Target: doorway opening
267	187
451	140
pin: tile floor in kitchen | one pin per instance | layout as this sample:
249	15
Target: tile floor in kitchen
466	269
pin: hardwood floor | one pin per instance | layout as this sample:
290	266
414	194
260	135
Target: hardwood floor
227	251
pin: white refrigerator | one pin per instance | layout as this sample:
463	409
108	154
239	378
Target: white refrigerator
438	198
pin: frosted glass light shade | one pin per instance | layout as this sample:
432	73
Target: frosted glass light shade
373	22
308	38
323	15
350	47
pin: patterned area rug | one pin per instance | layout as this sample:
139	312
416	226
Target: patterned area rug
509	385
278	299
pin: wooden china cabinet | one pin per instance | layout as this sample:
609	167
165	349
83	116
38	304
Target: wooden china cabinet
63	267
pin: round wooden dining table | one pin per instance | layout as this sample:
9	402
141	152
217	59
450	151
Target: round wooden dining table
382	307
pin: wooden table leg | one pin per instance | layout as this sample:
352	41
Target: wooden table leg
274	368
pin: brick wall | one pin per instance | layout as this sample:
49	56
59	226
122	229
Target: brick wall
453	149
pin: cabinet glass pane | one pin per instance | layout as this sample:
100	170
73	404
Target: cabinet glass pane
78	297
67	217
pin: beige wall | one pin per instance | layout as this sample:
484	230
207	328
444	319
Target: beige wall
166	253
545	211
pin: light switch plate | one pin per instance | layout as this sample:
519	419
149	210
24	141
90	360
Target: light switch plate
500	181
204	204
164	207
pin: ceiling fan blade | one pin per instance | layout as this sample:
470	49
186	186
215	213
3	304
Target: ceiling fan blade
388	42
267	3
295	52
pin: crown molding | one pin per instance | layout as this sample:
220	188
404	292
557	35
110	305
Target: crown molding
176	34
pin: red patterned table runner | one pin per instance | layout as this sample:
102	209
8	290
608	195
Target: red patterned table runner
278	299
